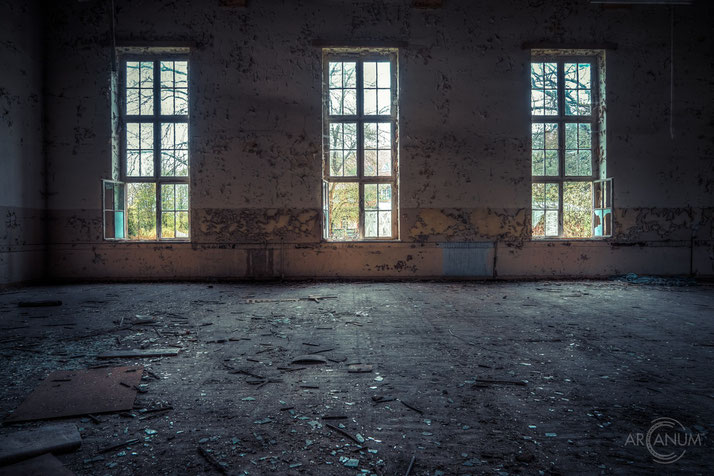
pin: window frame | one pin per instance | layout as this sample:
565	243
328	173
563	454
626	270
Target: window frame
156	120
360	56
596	121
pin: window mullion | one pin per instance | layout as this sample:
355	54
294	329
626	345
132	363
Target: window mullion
360	144
561	143
157	143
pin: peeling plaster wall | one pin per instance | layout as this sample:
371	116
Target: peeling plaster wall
464	124
21	143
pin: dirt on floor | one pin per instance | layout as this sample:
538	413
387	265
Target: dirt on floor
425	378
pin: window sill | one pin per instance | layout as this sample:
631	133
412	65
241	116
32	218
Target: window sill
571	240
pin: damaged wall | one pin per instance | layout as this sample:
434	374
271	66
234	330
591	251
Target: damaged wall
22	158
464	150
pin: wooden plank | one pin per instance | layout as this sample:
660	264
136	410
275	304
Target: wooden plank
38	466
116	354
58	438
80	392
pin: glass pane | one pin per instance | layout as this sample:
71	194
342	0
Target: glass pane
167	74
350	136
538	196
335	74
385	224
571	162
538	162
551	162
133	102
551	102
370	196
132	74
571	75
168	225
584	163
336	136
584	136
343	200
538	136
141	211
336	163
335	102
384	72
552	196
384	101
370	163
182	196
181	157
147	163
349	72
350	102
168	131
537	76
577	209
371	224
147	74
551	223
584	75
550	75
551	136
167	102
537	102
133	130
385	197
370	75
147	136
147	102
538	222
384	138
168	199
370	102
133	164
370	136
181	74
350	164
385	162
584	101
182	225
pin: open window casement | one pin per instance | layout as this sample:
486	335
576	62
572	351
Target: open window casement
602	208
113	204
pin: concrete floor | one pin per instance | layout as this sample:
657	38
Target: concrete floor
599	361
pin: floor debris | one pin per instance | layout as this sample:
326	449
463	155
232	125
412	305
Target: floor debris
56	438
80	392
45	465
139	353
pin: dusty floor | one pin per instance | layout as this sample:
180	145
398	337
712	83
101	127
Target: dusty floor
597	361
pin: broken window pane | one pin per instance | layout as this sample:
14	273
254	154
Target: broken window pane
141	211
343	200
577	209
545	204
